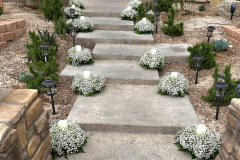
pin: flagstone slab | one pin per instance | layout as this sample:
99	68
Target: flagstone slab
116	72
133	108
128	146
171	52
90	39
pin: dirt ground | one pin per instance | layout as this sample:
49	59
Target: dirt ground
13	58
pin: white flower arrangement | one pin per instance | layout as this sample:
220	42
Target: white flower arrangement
174	84
83	24
67	138
78	12
87	83
77	3
78	57
134	4
144	26
202	146
152	59
128	13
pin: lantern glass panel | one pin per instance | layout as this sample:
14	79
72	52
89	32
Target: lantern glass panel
209	33
50	90
219	93
198	63
73	33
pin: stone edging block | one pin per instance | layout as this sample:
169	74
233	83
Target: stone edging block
233	33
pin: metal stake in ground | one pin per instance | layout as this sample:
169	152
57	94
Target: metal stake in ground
157	13
220	87
210	30
73	34
198	58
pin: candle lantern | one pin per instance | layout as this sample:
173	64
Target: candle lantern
197	58
73	34
233	9
157	13
50	90
72	13
220	88
210	30
44	47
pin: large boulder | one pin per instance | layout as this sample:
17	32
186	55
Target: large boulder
223	9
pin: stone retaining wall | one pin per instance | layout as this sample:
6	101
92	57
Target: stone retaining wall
24	129
11	29
233	34
230	147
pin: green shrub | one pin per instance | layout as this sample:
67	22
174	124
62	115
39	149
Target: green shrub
233	90
23	75
1	10
201	8
164	5
142	12
220	45
46	37
61	27
204	49
51	9
171	29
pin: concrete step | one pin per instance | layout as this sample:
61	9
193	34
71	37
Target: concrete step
89	39
110	23
118	146
172	52
116	72
133	108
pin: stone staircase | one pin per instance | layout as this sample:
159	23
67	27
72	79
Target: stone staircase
128	120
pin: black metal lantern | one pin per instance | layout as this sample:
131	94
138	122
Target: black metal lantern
73	34
44	47
220	87
233	9
72	13
210	30
157	13
49	85
198	58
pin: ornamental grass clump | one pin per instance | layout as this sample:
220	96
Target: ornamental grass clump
152	59
77	3
87	83
83	24
66	138
144	27
199	141
128	14
174	84
78	12
134	4
78	56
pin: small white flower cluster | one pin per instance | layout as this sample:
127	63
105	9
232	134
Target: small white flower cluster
128	13
203	146
88	86
79	58
144	26
171	85
134	4
68	139
152	60
77	3
78	12
83	24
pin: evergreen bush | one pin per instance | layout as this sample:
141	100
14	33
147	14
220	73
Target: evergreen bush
220	45
204	49
142	12
201	8
1	10
51	9
171	29
233	90
61	27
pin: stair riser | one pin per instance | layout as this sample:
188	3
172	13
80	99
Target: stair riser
113	27
99	14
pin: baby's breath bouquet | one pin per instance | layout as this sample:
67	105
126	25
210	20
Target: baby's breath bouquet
128	13
200	141
77	3
83	24
66	138
152	59
88	83
78	56
144	26
78	12
173	83
134	4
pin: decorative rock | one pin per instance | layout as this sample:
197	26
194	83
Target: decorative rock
45	132
10	139
223	9
30	132
11	112
22	96
228	140
1	38
233	110
42	148
22	133
18	32
33	112
41	123
236	103
7	36
10	25
224	154
3	130
3	45
33	143
2	28
15	152
20	22
232	120
237	152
